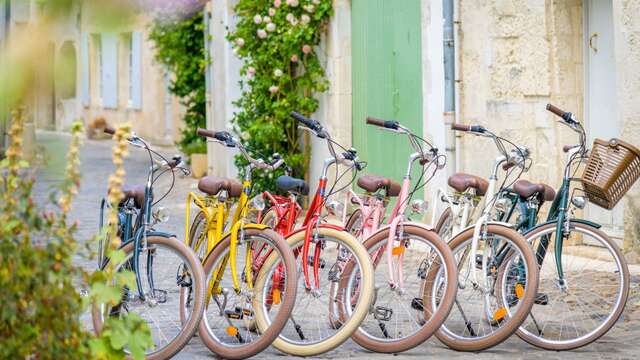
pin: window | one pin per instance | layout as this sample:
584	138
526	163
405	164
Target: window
109	68
85	74
135	70
97	58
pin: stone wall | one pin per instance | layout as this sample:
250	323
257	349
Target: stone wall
160	118
626	15
515	57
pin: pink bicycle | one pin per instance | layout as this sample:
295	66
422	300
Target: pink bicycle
403	253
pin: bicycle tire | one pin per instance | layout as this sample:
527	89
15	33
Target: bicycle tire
271	332
447	215
296	241
428	328
611	320
511	324
191	325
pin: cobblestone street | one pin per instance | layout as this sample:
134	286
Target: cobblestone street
623	342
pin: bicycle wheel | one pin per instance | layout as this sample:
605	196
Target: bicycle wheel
308	331
166	266
479	320
353	227
596	291
227	327
396	322
354	224
444	227
270	218
199	243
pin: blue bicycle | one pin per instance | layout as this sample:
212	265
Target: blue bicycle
164	266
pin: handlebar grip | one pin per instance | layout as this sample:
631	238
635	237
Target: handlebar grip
556	110
374	121
389	124
109	130
301	118
173	163
568	148
508	165
460	127
205	133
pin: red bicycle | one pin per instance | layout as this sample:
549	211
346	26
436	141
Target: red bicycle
323	252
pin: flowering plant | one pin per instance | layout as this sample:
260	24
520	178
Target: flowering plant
277	40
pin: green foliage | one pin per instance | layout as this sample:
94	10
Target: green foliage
41	306
276	40
179	45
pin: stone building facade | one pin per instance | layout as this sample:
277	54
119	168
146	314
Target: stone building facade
88	70
511	58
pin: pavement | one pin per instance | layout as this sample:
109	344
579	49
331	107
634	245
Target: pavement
622	342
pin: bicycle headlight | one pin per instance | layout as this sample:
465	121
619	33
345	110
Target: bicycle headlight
334	207
160	214
258	203
419	206
501	204
579	201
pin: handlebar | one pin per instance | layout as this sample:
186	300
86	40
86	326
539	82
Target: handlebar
565	115
109	130
388	124
469	128
227	139
314	125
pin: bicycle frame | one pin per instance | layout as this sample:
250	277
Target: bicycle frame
136	232
373	215
220	211
558	213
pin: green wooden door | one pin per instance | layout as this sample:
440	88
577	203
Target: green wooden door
387	81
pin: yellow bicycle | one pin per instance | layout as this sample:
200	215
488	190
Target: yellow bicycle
217	237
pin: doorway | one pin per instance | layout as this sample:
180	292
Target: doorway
386	81
601	115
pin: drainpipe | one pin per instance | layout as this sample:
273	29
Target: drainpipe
457	78
450	84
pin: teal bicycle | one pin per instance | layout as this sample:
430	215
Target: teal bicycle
584	278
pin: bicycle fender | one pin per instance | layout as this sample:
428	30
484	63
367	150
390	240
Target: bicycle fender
161	234
579	221
235	229
411	223
501	223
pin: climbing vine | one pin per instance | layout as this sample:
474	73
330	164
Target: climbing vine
179	45
277	40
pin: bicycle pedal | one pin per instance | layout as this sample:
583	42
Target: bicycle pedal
382	313
417	304
311	260
422	269
492	268
160	296
184	280
541	299
238	313
334	273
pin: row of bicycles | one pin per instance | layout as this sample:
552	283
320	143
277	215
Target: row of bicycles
258	270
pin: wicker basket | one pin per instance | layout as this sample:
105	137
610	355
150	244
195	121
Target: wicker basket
613	167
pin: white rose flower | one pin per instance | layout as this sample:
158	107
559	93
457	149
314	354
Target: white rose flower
240	42
317	2
261	33
293	3
273	89
304	19
271	27
277	73
266	19
272	12
257	19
